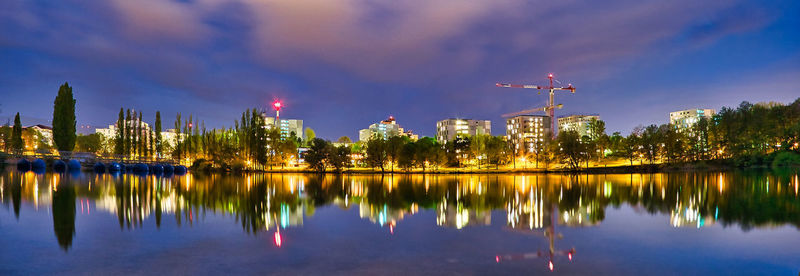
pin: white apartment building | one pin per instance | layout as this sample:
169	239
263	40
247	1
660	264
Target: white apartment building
449	129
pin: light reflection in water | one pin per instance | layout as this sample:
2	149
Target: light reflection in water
532	203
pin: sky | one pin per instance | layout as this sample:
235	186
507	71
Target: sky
343	65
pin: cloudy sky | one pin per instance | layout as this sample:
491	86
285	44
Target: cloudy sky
342	65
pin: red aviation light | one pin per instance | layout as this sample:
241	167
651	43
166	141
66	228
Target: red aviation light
277	105
278	239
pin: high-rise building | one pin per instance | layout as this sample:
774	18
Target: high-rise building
449	129
579	123
384	129
528	133
685	119
287	126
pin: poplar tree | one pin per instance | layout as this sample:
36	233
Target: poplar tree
120	135
178	135
16	136
64	119
158	146
128	132
140	137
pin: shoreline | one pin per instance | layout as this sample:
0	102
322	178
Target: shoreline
701	166
646	168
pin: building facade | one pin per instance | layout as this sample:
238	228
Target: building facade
169	137
384	129
579	123
528	133
685	119
449	129
287	126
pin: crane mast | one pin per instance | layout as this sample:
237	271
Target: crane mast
550	108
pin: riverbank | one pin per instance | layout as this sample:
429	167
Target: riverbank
714	165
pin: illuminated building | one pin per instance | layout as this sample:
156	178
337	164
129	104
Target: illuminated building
685	119
169	137
287	126
528	133
579	123
385	129
45	131
449	129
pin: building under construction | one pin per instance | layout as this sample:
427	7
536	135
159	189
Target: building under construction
530	133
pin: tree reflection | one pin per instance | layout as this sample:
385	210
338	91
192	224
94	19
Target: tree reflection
267	202
64	214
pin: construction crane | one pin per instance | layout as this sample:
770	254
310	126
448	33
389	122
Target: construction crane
550	108
534	110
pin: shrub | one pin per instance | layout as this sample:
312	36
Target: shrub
786	159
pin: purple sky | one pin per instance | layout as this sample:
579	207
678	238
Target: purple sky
342	65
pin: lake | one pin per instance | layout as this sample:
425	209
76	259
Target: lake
739	222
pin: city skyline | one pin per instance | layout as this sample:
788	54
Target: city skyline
631	62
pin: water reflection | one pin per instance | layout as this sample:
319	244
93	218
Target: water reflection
533	204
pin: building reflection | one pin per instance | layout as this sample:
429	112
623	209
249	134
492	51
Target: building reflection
532	204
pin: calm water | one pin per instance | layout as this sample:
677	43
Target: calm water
682	223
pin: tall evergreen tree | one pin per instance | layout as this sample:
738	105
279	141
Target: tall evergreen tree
128	132
16	136
159	148
140	144
64	119
178	135
120	135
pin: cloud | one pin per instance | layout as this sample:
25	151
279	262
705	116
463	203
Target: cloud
159	19
327	54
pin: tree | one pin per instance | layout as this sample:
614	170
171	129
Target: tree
5	134
477	147
497	151
140	138
598	136
310	135
317	154
89	143
628	147
119	137
673	143
572	150
344	139
425	151
16	136
650	142
158	143
288	149
339	157
178	137
459	149
128	132
64	119
274	146
405	158
376	153
393	147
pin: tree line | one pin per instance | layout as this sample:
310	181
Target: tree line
764	134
